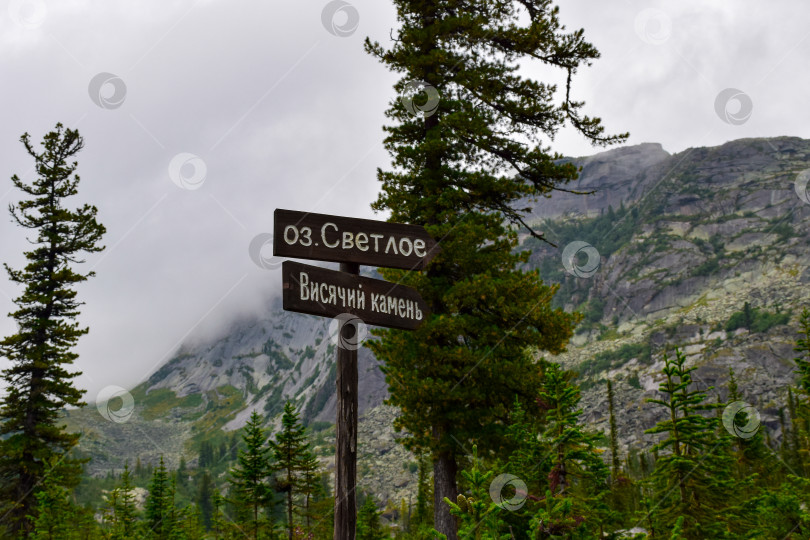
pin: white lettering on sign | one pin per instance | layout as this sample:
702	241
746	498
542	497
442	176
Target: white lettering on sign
325	293
290	229
391	244
405	242
376	237
305	235
348	240
419	246
333	238
361	240
407	309
323	235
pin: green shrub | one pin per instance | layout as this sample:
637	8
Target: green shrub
609	359
756	319
709	266
784	230
595	310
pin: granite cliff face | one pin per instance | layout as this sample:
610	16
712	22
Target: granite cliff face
701	233
683	241
281	356
625	171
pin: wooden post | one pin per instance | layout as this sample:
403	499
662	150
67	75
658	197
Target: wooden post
346	428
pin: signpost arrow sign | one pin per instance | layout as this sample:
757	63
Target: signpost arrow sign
328	293
322	237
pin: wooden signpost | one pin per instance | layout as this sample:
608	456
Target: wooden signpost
346	295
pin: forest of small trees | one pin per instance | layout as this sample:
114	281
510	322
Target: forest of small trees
710	476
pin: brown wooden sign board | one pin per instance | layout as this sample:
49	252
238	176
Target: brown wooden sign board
328	293
322	237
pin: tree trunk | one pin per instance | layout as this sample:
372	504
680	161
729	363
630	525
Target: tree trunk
444	485
289	506
255	520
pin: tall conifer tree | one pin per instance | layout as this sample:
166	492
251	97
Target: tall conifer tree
205	500
122	510
310	485
464	163
289	449
693	479
801	424
577	474
39	384
249	478
160	503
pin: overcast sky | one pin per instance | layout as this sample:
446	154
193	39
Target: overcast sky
264	105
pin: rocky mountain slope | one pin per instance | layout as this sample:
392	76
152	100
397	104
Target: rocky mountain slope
682	242
700	234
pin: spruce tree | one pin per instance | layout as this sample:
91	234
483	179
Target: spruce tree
801	422
463	167
803	348
182	472
205	500
249	476
219	521
310	486
528	457
623	491
751	454
56	516
577	473
122	510
159	508
289	448
793	432
38	383
423	514
693	479
322	509
368	521
614	437
206	458
187	523
479	516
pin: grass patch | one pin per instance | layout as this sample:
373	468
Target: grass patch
160	401
610	359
